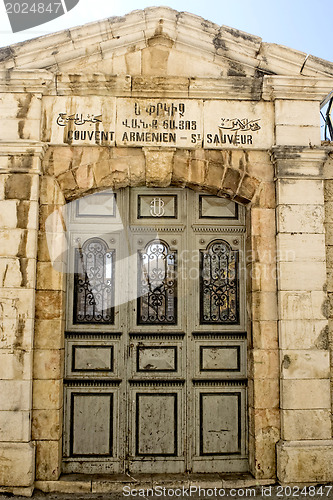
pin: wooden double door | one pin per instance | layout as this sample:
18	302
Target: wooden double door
155	342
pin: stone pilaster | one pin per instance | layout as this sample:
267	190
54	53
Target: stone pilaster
19	206
305	452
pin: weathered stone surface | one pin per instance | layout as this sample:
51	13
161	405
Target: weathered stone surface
306	424
47	394
300	219
48	460
306	364
304	461
15	426
17	464
46	425
305	394
300	192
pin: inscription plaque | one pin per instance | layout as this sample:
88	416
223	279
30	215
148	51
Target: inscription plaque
153	122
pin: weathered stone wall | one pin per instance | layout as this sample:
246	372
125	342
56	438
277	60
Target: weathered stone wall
158	53
327	341
19	193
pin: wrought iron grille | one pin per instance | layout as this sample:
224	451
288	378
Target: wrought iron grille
157	285
219	302
328	121
94	283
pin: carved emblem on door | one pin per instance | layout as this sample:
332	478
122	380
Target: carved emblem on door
157	207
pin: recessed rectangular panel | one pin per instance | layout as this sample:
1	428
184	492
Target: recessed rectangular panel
156	359
219	358
91	424
156	424
155	206
220	423
97	205
92	358
213	207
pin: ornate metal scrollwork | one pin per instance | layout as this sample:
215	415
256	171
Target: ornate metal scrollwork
157	285
94	283
219	302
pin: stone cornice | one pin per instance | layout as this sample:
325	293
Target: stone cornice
299	162
34	81
21	157
296	88
141	29
228	88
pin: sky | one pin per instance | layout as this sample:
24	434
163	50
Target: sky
304	25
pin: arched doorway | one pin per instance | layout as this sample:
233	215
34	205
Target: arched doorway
155	369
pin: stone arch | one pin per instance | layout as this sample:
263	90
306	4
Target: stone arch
245	177
82	170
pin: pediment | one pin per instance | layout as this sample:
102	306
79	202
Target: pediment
159	41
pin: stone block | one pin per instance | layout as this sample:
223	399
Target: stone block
158	167
48	364
303	334
300	192
63	486
23	301
84	177
301	275
305	461
305	364
263	419
300	219
291	135
16	273
15	426
49	334
18	242
8	214
47	394
48	460
265	454
263	222
181	168
15	395
305	394
49	278
49	304
266	393
266	196
50	193
22	187
67	184
17	464
16	332
264	335
328	189
264	306
263	277
15	365
247	189
289	112
264	364
305	424
260	166
301	247
46	425
15	129
298	305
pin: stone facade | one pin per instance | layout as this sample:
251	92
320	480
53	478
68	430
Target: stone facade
283	177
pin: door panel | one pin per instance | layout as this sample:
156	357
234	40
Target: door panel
155	371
